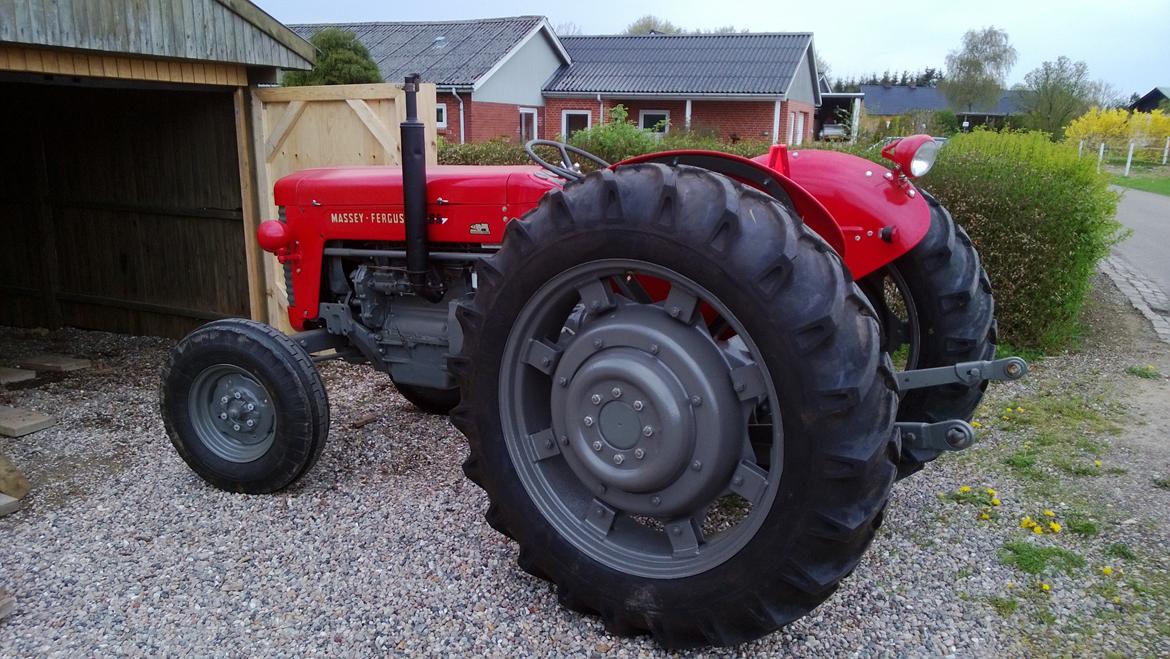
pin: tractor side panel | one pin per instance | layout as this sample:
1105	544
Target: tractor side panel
880	218
466	206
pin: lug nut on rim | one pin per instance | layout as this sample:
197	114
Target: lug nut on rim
223	416
618	458
588	422
639	453
616	392
596	446
648	431
638	405
596	399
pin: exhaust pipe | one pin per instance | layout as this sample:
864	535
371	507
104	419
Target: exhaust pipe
414	198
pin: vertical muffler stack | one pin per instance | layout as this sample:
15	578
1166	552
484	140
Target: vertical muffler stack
414	192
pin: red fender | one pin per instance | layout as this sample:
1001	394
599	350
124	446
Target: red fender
758	176
866	212
880	213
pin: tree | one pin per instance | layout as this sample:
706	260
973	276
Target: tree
1104	95
567	29
976	72
341	60
1054	94
650	24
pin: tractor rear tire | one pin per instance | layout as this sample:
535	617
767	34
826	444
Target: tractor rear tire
244	406
813	340
429	400
956	323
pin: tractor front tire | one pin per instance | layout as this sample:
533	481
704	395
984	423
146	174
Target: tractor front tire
428	399
608	417
244	406
955	323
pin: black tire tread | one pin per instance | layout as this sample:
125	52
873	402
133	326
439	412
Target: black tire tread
853	462
957	313
279	352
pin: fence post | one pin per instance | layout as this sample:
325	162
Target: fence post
1100	155
1080	148
1129	159
1166	150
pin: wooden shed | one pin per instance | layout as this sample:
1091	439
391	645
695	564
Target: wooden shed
128	196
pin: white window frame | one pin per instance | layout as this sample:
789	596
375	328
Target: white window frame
535	122
441	123
565	114
642	119
791	127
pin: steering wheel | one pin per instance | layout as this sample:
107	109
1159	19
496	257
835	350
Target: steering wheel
566	169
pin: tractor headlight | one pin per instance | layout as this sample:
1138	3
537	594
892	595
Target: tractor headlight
913	155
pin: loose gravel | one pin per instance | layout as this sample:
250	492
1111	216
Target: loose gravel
121	550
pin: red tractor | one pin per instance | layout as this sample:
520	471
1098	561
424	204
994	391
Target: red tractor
674	372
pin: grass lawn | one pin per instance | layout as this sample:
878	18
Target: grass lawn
1154	179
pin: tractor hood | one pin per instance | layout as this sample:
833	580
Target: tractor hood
382	186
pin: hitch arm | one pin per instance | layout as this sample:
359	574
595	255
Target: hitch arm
968	373
953	435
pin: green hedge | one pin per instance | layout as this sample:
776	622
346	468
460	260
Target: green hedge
1041	219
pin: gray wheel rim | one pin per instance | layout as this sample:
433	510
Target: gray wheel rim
232	413
630	425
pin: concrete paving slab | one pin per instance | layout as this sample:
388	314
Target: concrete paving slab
55	363
8	505
12	482
11	375
17	422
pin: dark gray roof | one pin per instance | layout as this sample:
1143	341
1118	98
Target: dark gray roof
445	52
900	99
1151	99
731	64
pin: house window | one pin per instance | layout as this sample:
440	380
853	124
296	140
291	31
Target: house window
441	115
656	120
528	127
575	120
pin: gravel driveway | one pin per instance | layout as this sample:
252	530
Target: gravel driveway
383	548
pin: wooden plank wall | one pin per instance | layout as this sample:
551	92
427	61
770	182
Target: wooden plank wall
210	30
302	127
96	65
139	207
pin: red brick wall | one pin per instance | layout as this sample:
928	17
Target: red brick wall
451	132
785	118
733	120
550	123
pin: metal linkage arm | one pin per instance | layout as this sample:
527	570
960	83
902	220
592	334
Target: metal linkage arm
968	373
953	435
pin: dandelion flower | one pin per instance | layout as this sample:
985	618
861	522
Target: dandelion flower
1117	600
1055	526
1097	463
1009	410
991	491
995	501
1026	522
1049	513
964	489
1019	409
976	424
1045	587
984	516
1004	417
1038	530
1106	570
1011	584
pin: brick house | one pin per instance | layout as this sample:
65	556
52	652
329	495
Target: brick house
741	86
515	78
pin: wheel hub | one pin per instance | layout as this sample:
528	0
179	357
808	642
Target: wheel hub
652	422
232	413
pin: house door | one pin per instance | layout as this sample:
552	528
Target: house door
528	127
800	127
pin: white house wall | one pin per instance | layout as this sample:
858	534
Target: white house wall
520	80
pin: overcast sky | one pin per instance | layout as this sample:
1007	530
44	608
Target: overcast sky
1125	42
